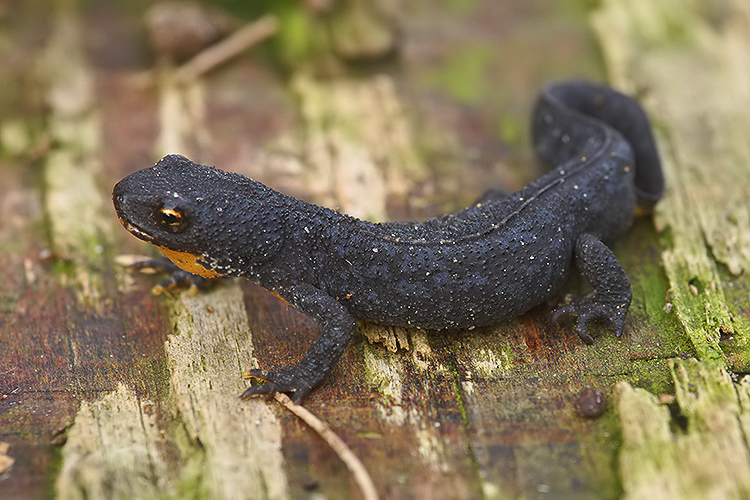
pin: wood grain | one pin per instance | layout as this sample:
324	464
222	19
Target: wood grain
106	391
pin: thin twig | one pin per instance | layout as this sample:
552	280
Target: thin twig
361	476
228	48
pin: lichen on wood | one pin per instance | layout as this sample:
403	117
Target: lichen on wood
705	457
212	444
688	61
115	450
239	442
73	200
355	147
648	47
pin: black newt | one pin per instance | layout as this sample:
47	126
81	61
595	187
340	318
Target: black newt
485	264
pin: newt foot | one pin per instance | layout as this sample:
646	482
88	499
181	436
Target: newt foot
289	381
591	308
176	280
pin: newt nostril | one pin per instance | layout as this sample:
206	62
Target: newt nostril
117	199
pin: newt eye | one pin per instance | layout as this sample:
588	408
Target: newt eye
171	218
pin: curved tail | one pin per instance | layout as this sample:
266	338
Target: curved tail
606	105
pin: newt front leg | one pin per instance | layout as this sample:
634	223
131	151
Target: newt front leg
337	325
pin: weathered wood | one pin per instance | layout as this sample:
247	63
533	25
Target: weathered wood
689	61
143	391
62	330
73	201
707	457
705	152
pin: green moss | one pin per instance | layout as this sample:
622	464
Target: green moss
600	443
8	301
296	40
191	457
56	460
703	316
735	343
460	7
651	309
512	130
704	455
464	76
298	37
652	375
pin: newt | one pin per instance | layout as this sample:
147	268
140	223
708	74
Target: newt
486	264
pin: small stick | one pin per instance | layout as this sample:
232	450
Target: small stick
361	476
228	48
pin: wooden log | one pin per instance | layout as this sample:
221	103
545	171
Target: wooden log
107	391
690	64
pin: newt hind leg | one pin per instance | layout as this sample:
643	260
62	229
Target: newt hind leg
611	296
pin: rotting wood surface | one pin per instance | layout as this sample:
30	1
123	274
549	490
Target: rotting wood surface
109	392
703	126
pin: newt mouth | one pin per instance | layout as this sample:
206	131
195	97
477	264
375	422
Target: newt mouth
136	231
118	201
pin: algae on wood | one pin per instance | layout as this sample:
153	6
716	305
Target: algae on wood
355	148
115	450
73	201
690	63
215	445
239	443
708	458
467	414
692	72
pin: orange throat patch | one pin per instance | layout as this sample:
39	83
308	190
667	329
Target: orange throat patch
188	262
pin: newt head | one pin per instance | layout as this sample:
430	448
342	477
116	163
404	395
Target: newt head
196	215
